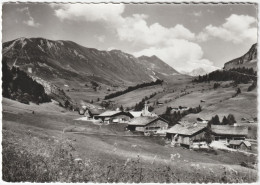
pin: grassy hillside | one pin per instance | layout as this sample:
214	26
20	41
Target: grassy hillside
133	97
217	101
51	140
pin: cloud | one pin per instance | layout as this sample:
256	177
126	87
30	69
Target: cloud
236	29
135	29
30	21
100	38
90	12
174	45
181	54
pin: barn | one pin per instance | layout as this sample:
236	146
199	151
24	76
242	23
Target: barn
240	144
187	135
115	117
147	124
226	133
93	112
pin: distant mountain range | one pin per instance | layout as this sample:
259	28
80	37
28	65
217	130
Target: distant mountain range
248	60
67	61
196	72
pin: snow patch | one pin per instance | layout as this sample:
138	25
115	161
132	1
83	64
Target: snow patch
60	42
153	78
41	48
23	42
45	65
6	49
78	55
49	44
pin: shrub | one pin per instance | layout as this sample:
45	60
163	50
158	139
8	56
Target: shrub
252	86
24	100
216	85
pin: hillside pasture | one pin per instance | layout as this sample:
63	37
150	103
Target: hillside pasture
242	106
47	132
133	97
216	101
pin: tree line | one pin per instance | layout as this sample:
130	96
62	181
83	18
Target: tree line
17	85
238	75
174	117
139	106
132	88
229	120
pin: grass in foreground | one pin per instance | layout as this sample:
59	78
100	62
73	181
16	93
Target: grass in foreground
55	160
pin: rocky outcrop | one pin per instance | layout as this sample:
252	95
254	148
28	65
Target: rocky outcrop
53	91
248	60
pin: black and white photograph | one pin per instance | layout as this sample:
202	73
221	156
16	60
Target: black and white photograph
116	92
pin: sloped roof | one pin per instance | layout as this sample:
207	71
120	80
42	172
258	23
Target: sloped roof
247	143
114	113
109	113
235	142
144	120
136	113
239	142
186	130
96	111
229	130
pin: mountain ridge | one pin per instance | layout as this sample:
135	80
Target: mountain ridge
249	59
51	59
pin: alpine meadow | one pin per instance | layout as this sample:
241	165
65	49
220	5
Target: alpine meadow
129	93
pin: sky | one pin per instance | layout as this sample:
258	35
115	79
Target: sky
186	37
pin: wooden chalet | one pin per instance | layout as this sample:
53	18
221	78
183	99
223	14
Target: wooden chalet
226	133
115	117
187	135
240	144
148	124
93	112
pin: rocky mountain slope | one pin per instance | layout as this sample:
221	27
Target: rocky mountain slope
157	67
248	60
67	61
